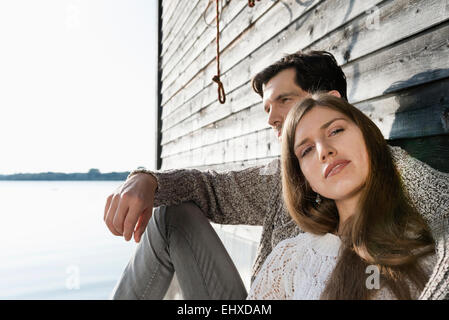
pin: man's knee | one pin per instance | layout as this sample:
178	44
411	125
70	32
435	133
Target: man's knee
185	215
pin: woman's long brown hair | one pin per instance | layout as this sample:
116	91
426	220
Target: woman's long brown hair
387	231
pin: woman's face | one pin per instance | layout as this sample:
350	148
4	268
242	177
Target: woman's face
331	152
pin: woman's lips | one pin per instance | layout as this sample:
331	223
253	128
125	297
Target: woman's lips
335	167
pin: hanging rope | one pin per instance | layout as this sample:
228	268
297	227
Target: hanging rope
221	92
216	78
209	25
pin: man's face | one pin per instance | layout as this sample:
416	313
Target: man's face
281	93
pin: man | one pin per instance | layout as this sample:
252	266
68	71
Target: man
178	234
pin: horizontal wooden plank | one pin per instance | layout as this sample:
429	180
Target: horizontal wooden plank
168	27
262	144
184	39
200	19
168	9
432	150
286	41
234	21
257	145
438	115
243	98
414	112
238	165
418	111
426	52
278	17
204	32
237	124
416	123
411	124
383	25
372	75
200	35
366	37
197	23
189	10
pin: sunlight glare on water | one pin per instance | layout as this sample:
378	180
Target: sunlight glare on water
54	243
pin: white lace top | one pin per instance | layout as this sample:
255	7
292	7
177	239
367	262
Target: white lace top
298	268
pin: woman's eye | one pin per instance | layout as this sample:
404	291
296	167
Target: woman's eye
334	132
306	151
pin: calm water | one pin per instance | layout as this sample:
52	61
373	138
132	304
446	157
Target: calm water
54	243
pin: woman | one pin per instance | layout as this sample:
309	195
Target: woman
363	239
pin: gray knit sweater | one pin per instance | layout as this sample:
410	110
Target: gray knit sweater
253	196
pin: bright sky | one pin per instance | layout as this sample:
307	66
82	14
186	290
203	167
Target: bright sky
77	85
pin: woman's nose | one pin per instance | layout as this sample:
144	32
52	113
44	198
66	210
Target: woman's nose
325	151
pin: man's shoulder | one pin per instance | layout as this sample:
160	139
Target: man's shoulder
271	168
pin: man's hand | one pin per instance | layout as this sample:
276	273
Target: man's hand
130	207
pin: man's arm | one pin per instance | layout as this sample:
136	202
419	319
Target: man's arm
233	197
428	190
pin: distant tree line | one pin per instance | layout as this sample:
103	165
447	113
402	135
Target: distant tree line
92	174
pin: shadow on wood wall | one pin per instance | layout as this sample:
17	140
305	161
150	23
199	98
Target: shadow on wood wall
421	123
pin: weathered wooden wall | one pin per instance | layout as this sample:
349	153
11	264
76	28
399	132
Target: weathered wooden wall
395	55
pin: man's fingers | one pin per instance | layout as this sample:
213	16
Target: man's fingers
142	224
127	207
106	207
135	211
109	219
120	214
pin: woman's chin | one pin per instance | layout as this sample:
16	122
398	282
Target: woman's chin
342	191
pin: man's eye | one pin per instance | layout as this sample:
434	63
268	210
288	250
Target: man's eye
285	100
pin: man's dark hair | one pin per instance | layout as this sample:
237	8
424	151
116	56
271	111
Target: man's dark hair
315	71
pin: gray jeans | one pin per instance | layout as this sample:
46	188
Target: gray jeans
180	238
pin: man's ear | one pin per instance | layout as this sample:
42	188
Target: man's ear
335	93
